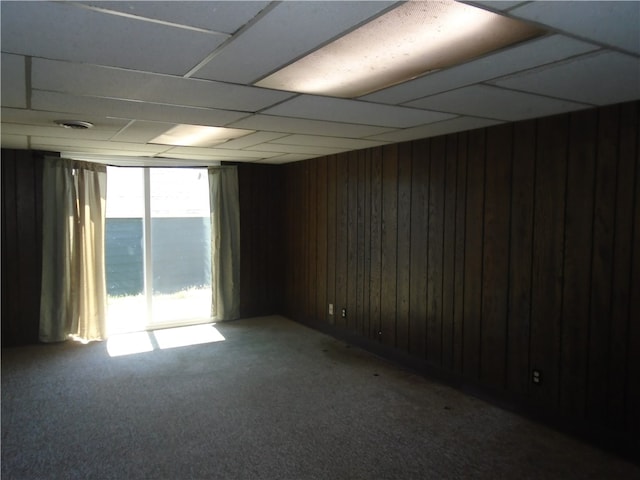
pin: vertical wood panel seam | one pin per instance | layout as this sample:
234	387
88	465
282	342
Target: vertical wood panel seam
409	289
505	379
613	256
593	227
590	267
482	256
408	276
444	221
428	232
567	142
395	322
453	263
464	249
533	238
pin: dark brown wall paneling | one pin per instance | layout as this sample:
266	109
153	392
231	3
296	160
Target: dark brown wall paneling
449	254
489	254
577	264
520	257
418	249
403	279
435	239
495	273
21	245
459	258
622	259
260	240
474	237
548	238
389	245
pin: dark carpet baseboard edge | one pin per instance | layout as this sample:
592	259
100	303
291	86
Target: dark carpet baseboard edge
620	443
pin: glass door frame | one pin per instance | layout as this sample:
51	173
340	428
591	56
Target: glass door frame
147	322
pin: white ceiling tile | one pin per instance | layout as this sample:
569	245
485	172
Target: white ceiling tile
252	139
288	31
19	142
354	111
68	151
58	132
313	127
14	93
215	16
333	142
458	124
47	119
601	78
615	24
287	158
514	59
97	144
221	153
83	79
122	160
281	148
210	159
141	131
61	102
67	32
500	104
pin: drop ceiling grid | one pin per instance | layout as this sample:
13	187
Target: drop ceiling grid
563	71
619	31
306	126
483	100
141	131
265	48
13	81
217	152
522	57
457	124
301	149
105	82
223	17
253	139
132	110
45	119
99	133
600	78
136	147
101	38
313	140
355	111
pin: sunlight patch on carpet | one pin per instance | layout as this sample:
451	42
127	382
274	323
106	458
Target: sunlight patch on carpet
184	336
128	344
141	342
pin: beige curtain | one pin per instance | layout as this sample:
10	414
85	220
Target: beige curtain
225	242
74	297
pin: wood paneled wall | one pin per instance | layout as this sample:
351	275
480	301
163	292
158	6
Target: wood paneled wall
487	254
261	251
21	245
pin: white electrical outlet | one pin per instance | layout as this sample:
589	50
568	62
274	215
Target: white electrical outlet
331	309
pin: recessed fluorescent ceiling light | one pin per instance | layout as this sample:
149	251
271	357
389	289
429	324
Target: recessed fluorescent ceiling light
198	136
415	38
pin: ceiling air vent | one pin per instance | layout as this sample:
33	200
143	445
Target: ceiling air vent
75	124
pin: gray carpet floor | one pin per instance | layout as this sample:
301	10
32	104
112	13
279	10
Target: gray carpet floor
274	400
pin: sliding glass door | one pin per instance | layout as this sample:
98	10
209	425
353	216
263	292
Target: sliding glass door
158	248
180	245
